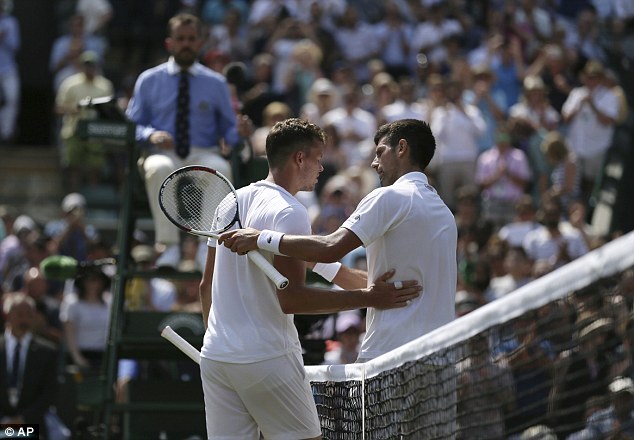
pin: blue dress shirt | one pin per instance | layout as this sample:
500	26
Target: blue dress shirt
9	43
153	105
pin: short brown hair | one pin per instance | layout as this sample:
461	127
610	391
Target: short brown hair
291	135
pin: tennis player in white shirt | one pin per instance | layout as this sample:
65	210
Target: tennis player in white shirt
404	224
251	360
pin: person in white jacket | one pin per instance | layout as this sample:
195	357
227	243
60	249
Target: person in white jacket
590	112
457	127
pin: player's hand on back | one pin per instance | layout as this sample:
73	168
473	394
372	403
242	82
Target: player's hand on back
392	294
240	240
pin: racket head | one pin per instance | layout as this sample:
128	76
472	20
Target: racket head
199	199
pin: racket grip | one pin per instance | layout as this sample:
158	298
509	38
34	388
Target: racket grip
280	280
181	344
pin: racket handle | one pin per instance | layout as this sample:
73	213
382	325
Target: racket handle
180	343
280	280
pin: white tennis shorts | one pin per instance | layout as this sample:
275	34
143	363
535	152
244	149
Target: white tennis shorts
272	397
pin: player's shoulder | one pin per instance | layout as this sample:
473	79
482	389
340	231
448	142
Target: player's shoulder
251	188
267	193
405	185
382	198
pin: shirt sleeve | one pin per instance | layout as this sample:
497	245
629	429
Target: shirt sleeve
571	103
68	311
374	216
293	220
137	113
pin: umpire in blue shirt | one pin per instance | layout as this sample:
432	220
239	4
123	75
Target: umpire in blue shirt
184	114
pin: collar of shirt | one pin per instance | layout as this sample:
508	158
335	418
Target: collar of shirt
272	185
412	176
175	69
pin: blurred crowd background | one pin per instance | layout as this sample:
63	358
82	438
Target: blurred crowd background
529	100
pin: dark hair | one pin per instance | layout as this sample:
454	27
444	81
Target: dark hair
417	134
519	251
90	272
291	135
183	19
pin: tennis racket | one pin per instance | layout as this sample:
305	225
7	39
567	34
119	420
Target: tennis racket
201	201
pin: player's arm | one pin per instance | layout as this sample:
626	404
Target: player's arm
301	299
204	288
343	276
319	248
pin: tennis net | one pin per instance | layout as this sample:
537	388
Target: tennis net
515	363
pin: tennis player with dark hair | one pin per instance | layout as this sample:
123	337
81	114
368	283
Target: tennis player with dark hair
251	360
404	224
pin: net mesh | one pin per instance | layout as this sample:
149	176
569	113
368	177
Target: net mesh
516	364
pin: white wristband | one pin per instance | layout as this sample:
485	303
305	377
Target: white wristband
270	241
327	270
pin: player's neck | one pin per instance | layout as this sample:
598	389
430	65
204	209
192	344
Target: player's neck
280	179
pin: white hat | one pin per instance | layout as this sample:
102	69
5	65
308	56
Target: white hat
142	253
73	201
347	320
538	432
599	326
23	223
621	384
466	302
323	86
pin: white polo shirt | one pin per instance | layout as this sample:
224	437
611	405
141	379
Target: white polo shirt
407	226
246	323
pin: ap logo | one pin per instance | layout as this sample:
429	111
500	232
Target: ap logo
19	431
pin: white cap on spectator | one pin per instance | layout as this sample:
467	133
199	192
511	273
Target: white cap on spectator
142	253
538	432
466	302
347	320
599	326
323	86
23	223
73	201
622	384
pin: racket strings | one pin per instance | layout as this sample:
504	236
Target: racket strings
201	201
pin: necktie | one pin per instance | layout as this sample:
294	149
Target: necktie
14	379
182	116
